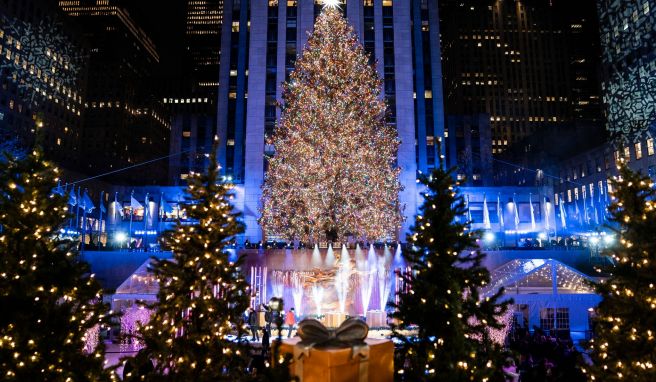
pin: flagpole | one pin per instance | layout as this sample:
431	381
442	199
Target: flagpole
131	214
146	213
100	207
160	212
84	222
77	212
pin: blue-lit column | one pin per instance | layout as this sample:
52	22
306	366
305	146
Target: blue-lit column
355	17
224	77
405	118
436	79
254	139
305	22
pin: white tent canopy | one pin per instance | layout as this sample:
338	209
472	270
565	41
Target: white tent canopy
140	285
546	294
538	276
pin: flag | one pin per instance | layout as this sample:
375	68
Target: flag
578	212
86	203
164	207
469	218
500	212
563	215
134	204
547	213
146	211
516	213
586	217
486	214
530	202
59	190
72	199
102	205
118	208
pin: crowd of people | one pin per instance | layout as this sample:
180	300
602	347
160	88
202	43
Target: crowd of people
542	358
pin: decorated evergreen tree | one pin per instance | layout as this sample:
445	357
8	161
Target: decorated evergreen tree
624	344
202	293
51	304
443	300
333	173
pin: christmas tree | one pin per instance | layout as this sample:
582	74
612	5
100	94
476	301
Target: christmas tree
333	174
624	345
443	299
202	293
51	304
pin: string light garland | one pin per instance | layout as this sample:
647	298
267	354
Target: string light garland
333	174
624	348
196	328
458	329
52	305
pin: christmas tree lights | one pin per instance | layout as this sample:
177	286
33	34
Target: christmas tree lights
333	174
202	295
51	303
456	338
624	347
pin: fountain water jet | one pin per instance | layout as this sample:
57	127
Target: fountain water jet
317	296
316	256
330	256
297	291
384	285
366	288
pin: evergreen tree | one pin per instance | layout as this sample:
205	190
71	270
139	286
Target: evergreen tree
624	345
444	301
333	173
202	294
50	301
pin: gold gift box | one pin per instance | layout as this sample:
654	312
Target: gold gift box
340	365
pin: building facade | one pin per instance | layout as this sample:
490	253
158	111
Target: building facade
125	120
522	63
44	71
628	37
260	42
192	101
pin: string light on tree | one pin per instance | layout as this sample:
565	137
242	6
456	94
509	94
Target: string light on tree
333	174
202	294
52	308
457	330
624	347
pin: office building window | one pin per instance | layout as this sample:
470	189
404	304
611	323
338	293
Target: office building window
638	150
650	146
547	318
562	318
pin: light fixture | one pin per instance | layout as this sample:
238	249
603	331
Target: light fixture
331	3
489	237
120	237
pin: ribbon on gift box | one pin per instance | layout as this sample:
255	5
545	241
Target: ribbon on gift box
351	333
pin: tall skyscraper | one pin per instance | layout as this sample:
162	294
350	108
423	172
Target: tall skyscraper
260	42
628	37
521	63
203	41
193	100
43	67
125	120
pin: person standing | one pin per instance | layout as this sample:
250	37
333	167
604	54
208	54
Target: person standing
252	322
266	340
290	321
